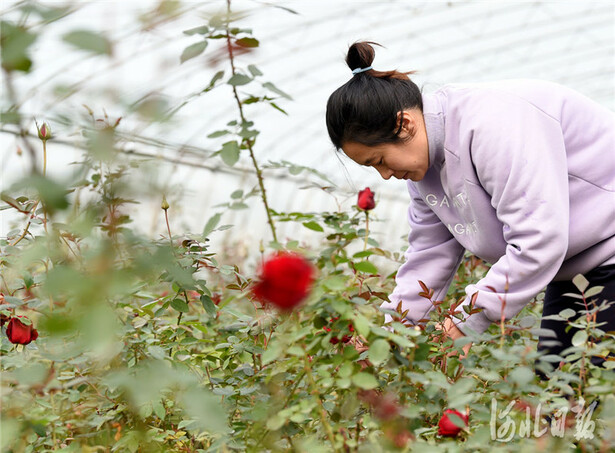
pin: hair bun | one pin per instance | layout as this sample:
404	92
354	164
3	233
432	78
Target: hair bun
361	54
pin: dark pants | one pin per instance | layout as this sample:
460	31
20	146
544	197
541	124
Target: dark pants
555	301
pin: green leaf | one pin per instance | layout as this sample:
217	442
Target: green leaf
50	192
580	282
365	381
521	376
239	79
379	351
363	254
276	422
208	305
217	76
217	134
277	107
456	420
361	324
206	410
180	305
254	70
312	225
270	86
567	313
579	338
238	205
274	350
193	50
593	291
335	283
230	153
14	45
89	41
211	224
247	42
237	194
366	266
203	29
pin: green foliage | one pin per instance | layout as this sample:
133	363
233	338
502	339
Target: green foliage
89	41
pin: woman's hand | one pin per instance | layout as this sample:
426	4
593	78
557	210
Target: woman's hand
358	344
453	333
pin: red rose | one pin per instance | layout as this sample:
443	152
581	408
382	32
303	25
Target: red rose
446	427
19	333
366	199
285	280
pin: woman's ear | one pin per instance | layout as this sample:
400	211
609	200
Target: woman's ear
407	122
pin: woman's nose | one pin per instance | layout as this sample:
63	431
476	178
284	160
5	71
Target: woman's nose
386	173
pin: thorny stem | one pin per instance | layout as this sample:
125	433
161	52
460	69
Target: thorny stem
502	312
25	231
211	384
582	374
44	175
53	427
247	142
358	434
314	391
32	211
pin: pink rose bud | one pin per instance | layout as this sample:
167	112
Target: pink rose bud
44	132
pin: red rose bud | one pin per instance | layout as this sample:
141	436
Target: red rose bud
387	407
285	280
446	427
44	132
366	199
20	333
400	439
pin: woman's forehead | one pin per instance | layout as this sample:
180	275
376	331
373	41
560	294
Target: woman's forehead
360	153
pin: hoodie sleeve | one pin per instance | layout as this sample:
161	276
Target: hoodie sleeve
433	256
520	159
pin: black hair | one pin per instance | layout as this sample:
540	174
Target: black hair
364	109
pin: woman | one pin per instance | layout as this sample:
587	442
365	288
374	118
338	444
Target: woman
520	173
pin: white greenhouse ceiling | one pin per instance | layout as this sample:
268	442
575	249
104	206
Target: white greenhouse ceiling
302	48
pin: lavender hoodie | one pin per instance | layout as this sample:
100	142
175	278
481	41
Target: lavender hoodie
522	175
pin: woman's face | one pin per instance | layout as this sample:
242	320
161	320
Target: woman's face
408	159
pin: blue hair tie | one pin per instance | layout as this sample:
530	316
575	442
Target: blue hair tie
358	70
